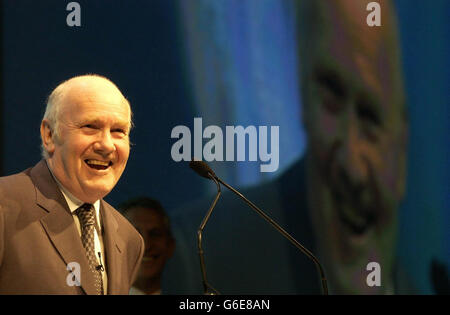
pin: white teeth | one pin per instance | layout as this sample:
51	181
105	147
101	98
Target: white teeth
95	162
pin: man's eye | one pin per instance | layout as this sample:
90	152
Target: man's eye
369	120
368	114
332	83
332	91
119	130
89	126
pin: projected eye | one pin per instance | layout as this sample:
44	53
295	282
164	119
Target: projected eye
369	118
332	91
368	112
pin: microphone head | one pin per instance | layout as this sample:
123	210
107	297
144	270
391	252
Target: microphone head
201	168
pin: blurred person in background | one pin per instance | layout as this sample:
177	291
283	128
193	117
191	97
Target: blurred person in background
150	219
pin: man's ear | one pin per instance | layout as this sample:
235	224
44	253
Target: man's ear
47	136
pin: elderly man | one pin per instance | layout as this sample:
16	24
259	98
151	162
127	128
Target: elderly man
356	124
57	234
341	199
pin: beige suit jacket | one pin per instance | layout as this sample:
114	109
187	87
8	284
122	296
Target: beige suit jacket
38	239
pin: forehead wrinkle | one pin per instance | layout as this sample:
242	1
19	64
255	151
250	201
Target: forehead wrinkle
81	93
353	39
369	51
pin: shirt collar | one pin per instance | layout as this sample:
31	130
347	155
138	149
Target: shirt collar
73	202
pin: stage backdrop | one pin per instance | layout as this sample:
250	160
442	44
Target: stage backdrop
230	63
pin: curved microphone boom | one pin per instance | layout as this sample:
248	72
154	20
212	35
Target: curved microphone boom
203	169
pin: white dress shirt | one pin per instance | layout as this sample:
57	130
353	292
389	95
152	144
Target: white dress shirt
74	203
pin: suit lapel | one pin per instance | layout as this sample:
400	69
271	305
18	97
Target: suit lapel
59	224
114	247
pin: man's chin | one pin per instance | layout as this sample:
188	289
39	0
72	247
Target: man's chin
356	247
353	271
96	192
350	280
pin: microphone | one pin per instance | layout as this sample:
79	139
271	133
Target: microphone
100	267
203	169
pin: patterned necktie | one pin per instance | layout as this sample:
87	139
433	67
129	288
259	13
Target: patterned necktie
86	216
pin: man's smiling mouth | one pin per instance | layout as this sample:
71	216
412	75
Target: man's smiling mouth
356	215
357	221
98	165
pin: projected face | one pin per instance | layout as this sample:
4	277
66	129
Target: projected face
356	131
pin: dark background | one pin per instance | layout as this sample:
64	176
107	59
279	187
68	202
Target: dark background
140	45
136	44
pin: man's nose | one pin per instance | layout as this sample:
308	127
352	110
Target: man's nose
105	144
351	163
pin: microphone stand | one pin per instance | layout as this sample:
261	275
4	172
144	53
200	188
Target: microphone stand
207	288
204	170
283	232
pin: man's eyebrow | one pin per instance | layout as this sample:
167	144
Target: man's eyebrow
89	119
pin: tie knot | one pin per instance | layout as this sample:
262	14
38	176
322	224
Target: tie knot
86	214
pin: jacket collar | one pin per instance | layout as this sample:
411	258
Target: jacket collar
114	249
61	230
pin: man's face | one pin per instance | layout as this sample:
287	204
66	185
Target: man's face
356	133
159	245
92	149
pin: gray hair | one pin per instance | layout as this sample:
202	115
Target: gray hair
52	114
